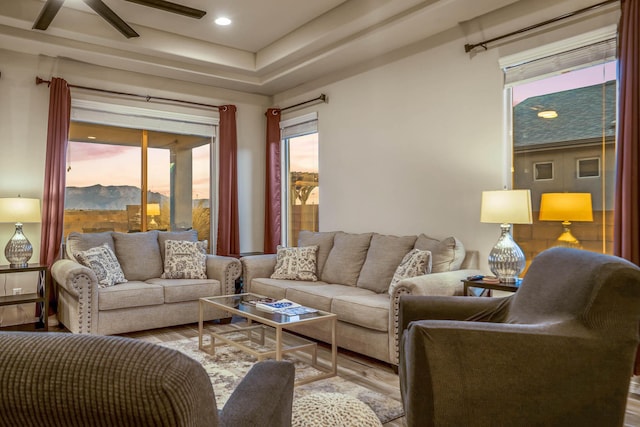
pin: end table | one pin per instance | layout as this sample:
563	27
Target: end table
41	296
488	287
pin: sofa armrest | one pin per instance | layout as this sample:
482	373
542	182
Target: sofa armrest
255	266
81	285
448	283
226	270
263	397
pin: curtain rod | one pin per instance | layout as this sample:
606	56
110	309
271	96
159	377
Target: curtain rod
322	98
469	47
135	95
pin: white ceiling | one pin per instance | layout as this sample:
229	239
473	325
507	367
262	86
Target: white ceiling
271	46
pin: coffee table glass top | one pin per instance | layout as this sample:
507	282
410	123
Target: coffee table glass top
239	302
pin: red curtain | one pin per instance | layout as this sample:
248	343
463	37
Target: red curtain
228	229
626	239
55	174
272	191
626	234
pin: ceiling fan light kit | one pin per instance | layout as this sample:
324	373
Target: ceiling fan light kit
51	8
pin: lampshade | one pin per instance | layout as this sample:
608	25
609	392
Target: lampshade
19	209
506	207
153	209
566	207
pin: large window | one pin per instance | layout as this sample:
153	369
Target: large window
563	141
135	175
300	183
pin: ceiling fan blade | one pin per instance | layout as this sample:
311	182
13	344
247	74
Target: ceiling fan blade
110	16
171	7
48	12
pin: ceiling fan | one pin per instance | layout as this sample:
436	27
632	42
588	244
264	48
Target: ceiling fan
51	8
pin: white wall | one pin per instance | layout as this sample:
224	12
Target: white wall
408	147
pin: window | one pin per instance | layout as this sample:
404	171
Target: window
563	119
543	171
300	183
129	171
589	168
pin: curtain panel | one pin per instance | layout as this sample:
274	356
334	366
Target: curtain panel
228	243
54	179
627	201
626	228
273	180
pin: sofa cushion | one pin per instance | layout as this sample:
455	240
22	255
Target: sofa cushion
185	260
415	263
131	294
383	257
82	241
139	254
277	288
321	296
163	236
370	311
296	263
324	241
346	258
180	290
104	264
446	254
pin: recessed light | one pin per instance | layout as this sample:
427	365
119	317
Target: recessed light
548	114
91	137
222	21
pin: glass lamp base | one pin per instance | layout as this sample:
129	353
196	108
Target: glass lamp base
18	250
506	259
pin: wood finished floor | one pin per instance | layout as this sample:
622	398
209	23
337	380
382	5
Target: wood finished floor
367	372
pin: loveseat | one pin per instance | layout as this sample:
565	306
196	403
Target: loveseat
353	275
120	287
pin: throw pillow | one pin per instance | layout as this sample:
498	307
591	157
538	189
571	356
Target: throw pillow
415	263
296	263
104	264
324	240
185	260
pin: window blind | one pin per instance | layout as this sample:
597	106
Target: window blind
574	59
298	126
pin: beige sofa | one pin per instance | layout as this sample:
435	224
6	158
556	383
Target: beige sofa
354	273
146	300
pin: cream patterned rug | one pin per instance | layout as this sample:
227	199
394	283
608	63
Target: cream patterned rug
229	365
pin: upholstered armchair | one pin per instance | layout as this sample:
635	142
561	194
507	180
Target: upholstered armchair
62	379
558	352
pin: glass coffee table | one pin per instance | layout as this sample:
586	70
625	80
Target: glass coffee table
263	325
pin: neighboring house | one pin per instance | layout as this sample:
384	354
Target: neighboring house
574	152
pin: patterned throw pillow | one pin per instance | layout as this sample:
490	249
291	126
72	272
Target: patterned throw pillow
415	263
296	263
185	260
104	263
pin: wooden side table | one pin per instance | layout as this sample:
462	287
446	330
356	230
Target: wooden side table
488	287
41	296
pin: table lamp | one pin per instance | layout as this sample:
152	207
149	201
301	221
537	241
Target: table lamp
506	207
566	207
19	210
153	210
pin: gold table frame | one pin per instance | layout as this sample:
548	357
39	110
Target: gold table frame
284	342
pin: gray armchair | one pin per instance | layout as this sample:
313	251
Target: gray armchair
558	352
61	379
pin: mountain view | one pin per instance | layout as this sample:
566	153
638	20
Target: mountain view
112	197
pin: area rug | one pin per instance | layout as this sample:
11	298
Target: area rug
229	365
